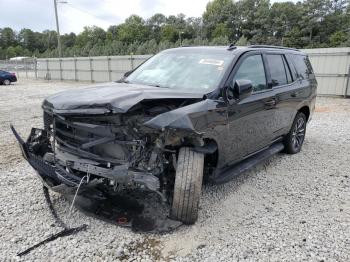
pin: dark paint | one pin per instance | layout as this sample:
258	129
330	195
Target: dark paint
110	98
240	127
7	75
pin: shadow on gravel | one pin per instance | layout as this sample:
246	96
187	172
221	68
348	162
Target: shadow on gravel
139	210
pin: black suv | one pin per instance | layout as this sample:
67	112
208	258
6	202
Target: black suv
184	115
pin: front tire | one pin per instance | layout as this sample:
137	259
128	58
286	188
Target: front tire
295	138
7	82
188	186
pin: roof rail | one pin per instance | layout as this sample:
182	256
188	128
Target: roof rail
273	46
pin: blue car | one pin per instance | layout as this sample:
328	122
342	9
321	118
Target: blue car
7	78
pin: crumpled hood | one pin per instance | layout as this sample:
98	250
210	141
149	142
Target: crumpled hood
110	97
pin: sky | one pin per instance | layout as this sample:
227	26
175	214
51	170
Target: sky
39	15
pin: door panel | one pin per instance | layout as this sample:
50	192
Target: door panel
286	90
287	96
251	120
251	124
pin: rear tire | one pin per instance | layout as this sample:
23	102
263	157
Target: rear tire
294	140
188	186
6	82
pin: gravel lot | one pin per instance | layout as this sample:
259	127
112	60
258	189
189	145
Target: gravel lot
291	208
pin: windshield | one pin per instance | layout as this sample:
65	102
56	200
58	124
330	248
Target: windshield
199	70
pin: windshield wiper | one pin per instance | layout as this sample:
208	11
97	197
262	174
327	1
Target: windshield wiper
123	81
156	85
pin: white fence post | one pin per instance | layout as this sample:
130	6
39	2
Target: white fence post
347	89
48	76
75	69
26	67
60	63
109	68
36	68
91	70
17	68
131	61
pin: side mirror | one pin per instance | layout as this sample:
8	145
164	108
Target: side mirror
242	88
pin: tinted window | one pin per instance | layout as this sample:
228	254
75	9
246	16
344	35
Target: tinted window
309	68
302	65
292	66
287	69
277	71
252	68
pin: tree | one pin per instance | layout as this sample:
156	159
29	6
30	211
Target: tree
132	30
112	32
7	37
91	35
255	20
314	13
219	12
10	52
154	24
284	17
221	30
307	24
169	33
68	40
242	41
338	38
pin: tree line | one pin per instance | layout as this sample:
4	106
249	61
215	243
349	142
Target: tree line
307	24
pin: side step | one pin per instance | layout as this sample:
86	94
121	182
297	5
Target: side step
227	174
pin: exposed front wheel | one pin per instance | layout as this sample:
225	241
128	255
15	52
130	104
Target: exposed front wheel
188	186
7	82
295	138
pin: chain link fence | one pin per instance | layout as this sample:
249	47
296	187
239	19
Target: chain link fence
26	68
93	69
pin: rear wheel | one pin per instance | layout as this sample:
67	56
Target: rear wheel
295	138
7	82
188	186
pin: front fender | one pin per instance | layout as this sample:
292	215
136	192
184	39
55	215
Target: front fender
195	117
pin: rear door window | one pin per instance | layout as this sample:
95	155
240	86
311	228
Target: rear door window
302	65
276	66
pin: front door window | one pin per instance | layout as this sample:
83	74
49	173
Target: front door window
252	68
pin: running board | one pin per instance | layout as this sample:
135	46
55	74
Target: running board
226	174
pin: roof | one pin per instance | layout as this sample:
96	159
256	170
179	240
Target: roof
232	48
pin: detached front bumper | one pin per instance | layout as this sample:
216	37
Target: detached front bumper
38	144
98	202
51	174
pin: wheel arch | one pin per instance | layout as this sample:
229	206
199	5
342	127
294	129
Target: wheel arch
211	159
306	111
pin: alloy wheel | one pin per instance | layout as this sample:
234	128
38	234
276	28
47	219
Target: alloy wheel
298	133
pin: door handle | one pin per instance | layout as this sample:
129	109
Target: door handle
271	102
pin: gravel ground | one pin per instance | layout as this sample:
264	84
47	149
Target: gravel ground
291	208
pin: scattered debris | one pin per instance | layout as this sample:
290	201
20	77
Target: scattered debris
65	232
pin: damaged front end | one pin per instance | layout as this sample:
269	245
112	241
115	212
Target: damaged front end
121	151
